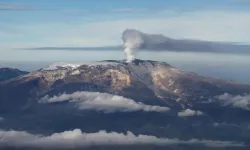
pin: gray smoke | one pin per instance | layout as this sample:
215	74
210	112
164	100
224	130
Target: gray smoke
135	40
132	41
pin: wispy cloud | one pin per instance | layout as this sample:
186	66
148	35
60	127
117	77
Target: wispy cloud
13	6
78	139
239	101
201	25
189	112
1	119
129	10
105	102
25	7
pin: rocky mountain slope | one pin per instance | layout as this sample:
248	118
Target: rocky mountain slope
145	97
148	79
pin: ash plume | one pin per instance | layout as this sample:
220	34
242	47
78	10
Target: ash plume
132	41
136	40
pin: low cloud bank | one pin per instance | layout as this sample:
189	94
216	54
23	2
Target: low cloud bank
105	102
77	139
189	112
236	101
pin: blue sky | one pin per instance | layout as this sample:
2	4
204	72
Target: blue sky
42	23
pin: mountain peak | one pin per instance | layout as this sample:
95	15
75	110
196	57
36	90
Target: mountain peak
151	81
74	65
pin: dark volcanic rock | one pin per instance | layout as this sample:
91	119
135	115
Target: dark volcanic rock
144	81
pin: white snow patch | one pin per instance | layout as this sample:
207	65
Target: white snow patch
176	90
63	65
76	65
76	72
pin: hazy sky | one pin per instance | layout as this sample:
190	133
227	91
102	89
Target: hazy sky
74	23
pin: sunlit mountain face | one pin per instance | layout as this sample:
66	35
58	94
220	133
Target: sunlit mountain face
224	66
116	104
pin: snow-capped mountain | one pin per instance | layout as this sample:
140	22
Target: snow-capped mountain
146	97
71	66
159	79
144	81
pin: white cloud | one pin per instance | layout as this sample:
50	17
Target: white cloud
77	139
1	119
216	124
23	7
105	102
189	112
236	101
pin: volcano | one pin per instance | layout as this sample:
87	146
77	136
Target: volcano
144	96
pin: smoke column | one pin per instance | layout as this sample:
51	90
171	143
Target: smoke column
132	40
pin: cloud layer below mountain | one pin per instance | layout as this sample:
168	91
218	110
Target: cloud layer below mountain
105	102
235	101
77	139
189	112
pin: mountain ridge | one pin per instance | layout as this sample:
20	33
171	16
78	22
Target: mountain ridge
159	79
9	73
144	97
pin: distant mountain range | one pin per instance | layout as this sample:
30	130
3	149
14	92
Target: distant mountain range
8	73
157	42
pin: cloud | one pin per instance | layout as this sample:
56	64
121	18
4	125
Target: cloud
129	10
236	101
227	26
224	124
24	7
189	112
134	40
103	102
77	139
13	6
1	119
